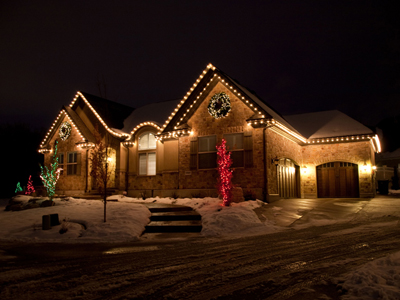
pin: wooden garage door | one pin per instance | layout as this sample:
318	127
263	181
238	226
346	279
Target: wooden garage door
288	179
337	180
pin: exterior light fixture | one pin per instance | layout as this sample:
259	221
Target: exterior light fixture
304	169
275	161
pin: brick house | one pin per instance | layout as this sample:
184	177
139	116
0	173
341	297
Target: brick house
169	147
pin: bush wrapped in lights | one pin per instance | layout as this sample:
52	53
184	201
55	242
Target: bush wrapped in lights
225	174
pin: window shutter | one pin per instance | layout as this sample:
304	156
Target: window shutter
193	153
78	166
248	149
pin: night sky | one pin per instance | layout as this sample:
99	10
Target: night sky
298	56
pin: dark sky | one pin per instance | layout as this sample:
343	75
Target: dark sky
298	56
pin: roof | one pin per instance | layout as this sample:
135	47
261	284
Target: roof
331	123
157	113
87	134
111	112
267	108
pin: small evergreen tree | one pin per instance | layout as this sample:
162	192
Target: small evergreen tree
29	189
50	175
225	173
18	188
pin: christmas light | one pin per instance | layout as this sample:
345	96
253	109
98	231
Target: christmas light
219	106
50	176
225	173
29	189
18	188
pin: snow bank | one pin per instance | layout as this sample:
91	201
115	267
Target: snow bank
125	222
237	220
378	279
126	219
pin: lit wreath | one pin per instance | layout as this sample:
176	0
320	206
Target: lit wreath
220	105
65	130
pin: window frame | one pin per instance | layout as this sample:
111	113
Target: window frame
73	164
147	151
61	162
200	153
242	150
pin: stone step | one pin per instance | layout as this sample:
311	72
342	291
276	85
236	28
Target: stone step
175	216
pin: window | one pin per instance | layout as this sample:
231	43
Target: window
72	163
147	155
235	145
147	141
61	163
207	154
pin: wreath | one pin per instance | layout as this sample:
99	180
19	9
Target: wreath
220	105
65	130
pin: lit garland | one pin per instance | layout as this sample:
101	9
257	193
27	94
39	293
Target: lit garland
225	173
219	106
18	188
50	177
65	130
29	189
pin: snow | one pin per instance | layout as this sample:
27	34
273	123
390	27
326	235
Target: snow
378	279
125	222
331	123
127	218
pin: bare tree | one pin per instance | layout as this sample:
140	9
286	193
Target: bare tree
99	158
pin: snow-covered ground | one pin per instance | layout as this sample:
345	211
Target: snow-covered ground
127	218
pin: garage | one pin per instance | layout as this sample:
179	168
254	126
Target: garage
337	180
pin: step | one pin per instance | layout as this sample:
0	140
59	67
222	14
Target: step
175	216
172	208
174	226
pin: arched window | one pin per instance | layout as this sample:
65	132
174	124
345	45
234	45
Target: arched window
147	154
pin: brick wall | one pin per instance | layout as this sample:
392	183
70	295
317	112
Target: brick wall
69	183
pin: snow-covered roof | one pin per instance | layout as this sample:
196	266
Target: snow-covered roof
268	109
331	123
153	112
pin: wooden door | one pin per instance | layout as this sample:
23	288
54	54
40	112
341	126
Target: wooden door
288	179
337	180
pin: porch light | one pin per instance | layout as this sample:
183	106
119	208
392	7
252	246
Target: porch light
304	169
365	167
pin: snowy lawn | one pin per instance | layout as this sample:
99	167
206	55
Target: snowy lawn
126	219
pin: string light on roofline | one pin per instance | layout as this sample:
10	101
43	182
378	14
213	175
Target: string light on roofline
79	94
62	112
142	125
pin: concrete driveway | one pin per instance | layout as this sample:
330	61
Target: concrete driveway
300	212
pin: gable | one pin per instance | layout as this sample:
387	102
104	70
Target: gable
203	123
262	115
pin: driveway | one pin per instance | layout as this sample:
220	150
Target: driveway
324	211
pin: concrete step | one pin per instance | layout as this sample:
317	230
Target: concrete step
174	226
172	218
170	208
175	216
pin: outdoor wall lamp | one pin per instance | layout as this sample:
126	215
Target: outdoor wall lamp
275	161
304	170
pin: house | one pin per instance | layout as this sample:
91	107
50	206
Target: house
169	147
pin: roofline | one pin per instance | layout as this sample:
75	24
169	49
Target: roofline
43	149
116	134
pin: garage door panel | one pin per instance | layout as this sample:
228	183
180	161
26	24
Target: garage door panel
337	180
